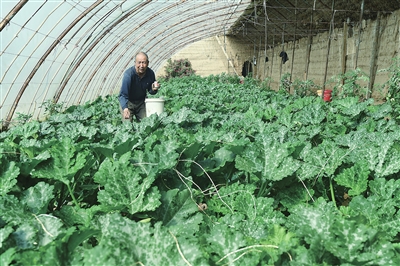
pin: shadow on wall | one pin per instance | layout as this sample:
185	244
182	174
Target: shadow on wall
247	68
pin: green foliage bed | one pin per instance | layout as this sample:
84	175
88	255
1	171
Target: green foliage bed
229	174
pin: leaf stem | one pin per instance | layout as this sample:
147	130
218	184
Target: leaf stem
263	189
332	192
179	249
43	227
246	248
72	195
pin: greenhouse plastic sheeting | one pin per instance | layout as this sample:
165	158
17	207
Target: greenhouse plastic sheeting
71	52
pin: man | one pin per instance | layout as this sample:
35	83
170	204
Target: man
137	81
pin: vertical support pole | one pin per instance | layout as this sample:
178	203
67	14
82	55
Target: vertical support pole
294	41
329	45
359	34
252	61
283	49
344	49
258	59
273	51
309	41
265	42
374	56
224	49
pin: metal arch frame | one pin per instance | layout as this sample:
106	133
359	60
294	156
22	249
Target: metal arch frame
160	59
80	55
113	49
8	45
12	13
153	21
132	31
32	51
89	49
86	55
150	48
44	76
194	24
71	51
25	85
173	36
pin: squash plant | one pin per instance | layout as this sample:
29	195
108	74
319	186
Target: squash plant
229	174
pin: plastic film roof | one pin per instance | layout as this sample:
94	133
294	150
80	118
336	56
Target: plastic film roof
74	51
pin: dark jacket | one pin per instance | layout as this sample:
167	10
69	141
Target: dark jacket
134	88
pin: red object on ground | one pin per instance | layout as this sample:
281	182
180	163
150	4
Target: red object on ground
327	95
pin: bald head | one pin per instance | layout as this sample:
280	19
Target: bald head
141	63
141	54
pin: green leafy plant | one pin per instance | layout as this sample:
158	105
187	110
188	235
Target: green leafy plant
22	118
178	68
393	83
304	88
392	86
353	83
285	84
50	107
266	83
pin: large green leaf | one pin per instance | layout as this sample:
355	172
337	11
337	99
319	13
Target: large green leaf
37	198
8	175
258	212
75	216
346	239
77	131
268	158
355	178
125	242
311	114
66	160
7	257
25	131
381	207
382	152
352	105
322	160
128	187
27	164
224	239
12	211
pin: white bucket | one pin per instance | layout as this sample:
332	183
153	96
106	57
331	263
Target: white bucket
154	106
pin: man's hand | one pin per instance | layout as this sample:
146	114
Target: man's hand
156	86
127	114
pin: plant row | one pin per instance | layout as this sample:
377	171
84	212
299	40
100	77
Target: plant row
229	174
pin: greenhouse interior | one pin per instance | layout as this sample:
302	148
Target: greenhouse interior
200	132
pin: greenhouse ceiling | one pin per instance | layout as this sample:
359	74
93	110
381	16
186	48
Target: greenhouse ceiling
74	51
267	23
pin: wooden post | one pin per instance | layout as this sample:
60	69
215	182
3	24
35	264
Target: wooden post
309	41
252	61
283	49
273	52
265	42
374	56
359	34
329	46
344	50
294	42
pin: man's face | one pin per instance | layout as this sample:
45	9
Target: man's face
141	64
